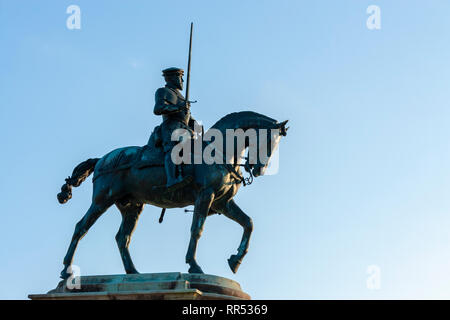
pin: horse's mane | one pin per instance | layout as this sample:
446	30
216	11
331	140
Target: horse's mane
240	119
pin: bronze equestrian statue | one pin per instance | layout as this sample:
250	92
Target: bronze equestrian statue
130	177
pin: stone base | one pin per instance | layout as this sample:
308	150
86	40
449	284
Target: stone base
148	286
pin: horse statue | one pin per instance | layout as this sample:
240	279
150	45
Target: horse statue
133	176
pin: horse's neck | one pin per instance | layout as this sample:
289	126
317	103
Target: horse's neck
238	150
223	154
243	120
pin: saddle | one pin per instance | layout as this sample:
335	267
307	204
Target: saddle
150	155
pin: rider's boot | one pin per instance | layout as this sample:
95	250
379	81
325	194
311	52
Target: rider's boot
174	182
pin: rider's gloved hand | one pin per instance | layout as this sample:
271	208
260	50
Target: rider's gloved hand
178	107
184	105
171	108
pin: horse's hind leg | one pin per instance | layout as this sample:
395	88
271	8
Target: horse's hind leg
232	211
130	215
82	227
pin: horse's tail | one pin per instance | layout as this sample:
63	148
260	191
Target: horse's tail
79	174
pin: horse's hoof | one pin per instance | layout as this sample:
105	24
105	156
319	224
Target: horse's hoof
195	269
134	271
234	262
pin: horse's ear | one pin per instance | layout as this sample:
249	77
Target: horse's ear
282	124
282	127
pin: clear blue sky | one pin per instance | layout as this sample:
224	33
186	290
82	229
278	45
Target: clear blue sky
364	173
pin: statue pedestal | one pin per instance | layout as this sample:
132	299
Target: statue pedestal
148	286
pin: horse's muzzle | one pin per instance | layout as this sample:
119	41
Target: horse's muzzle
256	172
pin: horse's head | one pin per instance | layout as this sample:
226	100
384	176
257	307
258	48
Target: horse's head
268	140
251	131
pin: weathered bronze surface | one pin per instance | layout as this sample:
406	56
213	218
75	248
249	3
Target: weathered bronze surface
175	111
131	177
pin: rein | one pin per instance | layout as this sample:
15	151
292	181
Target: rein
237	176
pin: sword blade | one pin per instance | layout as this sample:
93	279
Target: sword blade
189	66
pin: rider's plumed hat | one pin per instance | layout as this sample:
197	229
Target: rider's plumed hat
172	71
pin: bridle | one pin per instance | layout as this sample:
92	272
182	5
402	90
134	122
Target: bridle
240	179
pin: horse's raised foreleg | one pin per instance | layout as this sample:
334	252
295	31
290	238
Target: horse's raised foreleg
202	206
82	227
232	211
130	215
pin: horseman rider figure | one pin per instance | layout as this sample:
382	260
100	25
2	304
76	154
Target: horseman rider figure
170	103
